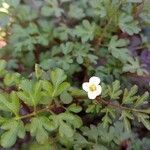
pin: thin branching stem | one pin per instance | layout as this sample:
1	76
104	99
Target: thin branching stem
32	114
98	99
46	109
109	103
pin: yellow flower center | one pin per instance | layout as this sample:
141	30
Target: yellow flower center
92	87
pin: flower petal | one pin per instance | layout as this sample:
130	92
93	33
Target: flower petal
85	86
91	95
95	80
98	90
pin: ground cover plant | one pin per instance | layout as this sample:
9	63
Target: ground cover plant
74	74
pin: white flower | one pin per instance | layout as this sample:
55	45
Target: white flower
92	87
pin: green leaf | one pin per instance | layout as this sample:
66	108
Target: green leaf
67	47
133	66
85	31
146	110
117	49
105	134
90	109
75	92
97	8
73	120
134	1
127	124
79	59
125	116
10	103
48	88
51	8
26	85
76	12
74	108
141	99
92	132
145	14
38	71
2	120
31	92
144	118
62	87
46	11
11	79
13	129
67	123
109	114
66	98
99	147
57	77
106	120
62	32
94	108
127	24
65	130
2	67
129	95
58	87
45	146
114	90
39	128
79	140
105	90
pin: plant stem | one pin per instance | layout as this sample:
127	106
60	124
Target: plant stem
98	99
109	103
35	113
104	31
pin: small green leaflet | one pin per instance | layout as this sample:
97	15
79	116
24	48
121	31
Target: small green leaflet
133	66
144	118
97	8
117	47
109	112
65	130
76	12
67	123
127	24
91	133
129	95
2	67
57	85
39	128
66	98
142	99
52	8
31	92
13	129
94	108
114	90
145	14
57	77
38	71
134	1
74	108
10	103
85	31
11	79
126	116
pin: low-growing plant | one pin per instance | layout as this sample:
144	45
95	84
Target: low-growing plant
49	48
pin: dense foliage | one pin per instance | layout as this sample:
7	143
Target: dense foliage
53	46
